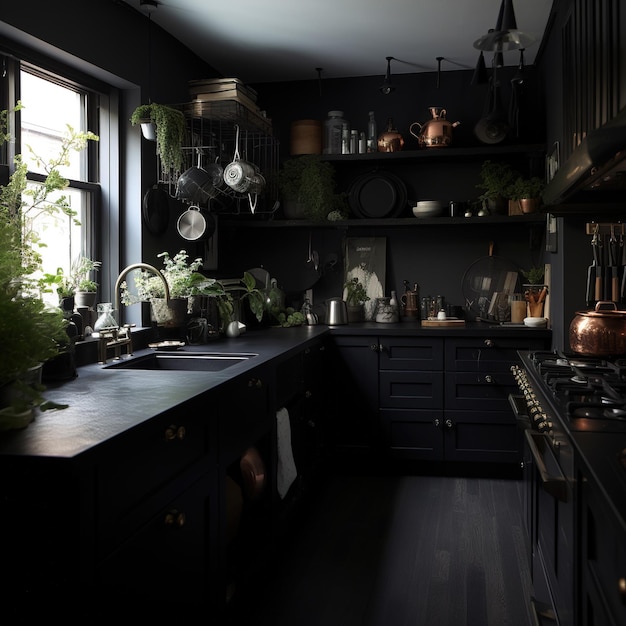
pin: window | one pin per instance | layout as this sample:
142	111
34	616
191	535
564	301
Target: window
50	104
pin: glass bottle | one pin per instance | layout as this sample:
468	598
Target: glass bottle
332	132
372	134
105	317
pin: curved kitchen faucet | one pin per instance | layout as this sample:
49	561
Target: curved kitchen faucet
138	266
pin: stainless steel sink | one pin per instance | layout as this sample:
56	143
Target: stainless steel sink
183	361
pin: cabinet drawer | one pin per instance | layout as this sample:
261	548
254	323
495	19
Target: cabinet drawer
410	353
412	434
410	390
150	457
485	436
486	354
479	391
169	555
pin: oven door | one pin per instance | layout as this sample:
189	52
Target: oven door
553	549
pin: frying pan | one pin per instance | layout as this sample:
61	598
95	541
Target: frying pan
155	210
486	276
493	127
300	277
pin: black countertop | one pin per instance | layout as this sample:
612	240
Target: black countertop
103	403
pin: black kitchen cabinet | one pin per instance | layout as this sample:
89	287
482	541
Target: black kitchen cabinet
438	398
352	420
602	534
478	421
300	388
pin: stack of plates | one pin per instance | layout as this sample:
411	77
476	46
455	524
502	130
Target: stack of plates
428	208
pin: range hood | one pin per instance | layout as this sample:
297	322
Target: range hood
595	172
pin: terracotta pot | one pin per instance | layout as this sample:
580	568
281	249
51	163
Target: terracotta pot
601	332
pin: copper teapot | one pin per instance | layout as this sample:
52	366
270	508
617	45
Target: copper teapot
435	133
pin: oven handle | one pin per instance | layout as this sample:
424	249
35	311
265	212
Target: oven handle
556	486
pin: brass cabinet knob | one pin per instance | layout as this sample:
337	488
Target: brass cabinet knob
175	432
174	519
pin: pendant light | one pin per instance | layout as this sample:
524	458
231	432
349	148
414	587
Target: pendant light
481	76
386	88
506	36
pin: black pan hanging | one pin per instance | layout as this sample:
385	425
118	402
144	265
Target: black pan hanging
155	210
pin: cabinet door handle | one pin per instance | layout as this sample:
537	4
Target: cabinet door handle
489	343
437	422
375	347
174	519
488	378
449	423
255	382
175	432
308	394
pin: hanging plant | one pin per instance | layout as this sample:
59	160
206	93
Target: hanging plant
170	132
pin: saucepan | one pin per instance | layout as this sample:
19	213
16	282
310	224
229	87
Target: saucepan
240	175
196	224
199	185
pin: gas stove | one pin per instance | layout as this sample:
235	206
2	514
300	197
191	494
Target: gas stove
588	394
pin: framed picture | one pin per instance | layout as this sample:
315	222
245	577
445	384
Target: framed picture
365	259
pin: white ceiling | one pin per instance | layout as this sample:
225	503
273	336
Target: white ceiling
279	40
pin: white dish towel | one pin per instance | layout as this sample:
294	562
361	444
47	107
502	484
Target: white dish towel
286	471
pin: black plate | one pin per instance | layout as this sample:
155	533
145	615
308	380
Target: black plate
377	195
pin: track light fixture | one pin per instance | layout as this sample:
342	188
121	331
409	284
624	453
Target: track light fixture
386	88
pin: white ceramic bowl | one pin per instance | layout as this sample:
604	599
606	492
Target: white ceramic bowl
535	322
427	208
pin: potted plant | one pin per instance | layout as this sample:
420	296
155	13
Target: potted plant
230	308
170	130
307	187
355	296
184	282
535	291
496	181
32	332
525	194
63	285
85	287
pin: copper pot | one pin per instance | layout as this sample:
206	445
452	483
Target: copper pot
601	332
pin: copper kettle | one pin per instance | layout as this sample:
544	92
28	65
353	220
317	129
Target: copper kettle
390	140
435	133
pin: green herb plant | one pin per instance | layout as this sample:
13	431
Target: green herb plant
354	293
170	133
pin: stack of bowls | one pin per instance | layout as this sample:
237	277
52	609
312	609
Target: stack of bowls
428	208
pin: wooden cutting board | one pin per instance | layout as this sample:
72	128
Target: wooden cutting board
448	322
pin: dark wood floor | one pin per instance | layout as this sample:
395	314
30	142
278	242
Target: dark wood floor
399	551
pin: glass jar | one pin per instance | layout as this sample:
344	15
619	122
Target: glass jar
333	127
105	317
